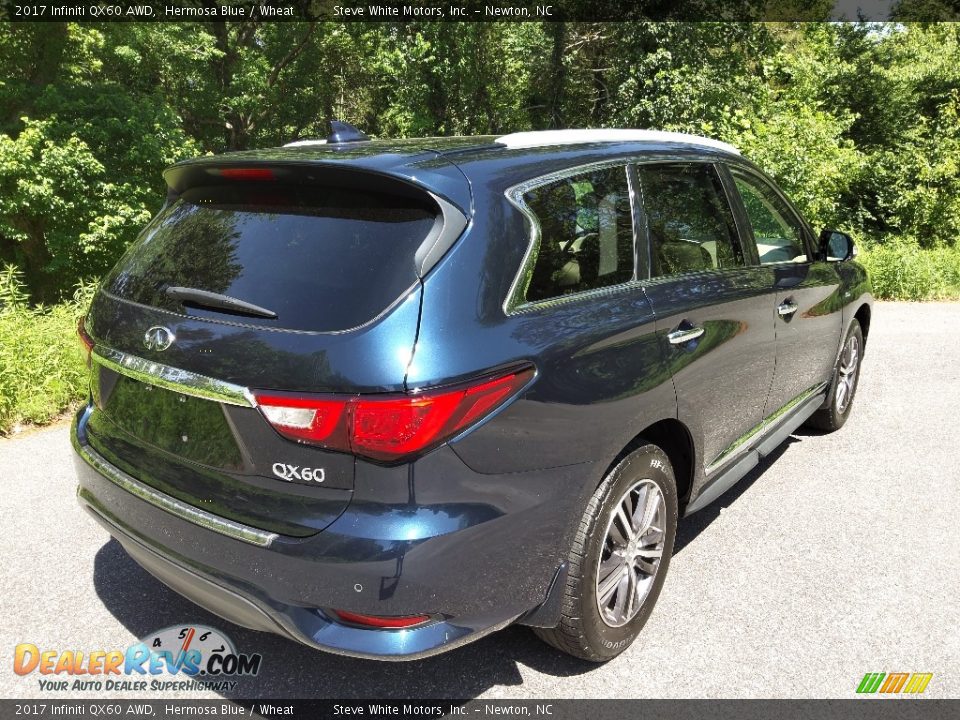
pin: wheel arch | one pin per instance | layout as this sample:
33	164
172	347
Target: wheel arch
862	316
676	440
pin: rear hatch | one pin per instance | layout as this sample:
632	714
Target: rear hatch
266	276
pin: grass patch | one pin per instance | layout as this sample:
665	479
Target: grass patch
902	270
42	372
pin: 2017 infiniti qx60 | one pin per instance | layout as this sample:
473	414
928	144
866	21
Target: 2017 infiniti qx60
384	397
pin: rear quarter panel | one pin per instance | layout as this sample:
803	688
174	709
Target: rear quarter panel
600	376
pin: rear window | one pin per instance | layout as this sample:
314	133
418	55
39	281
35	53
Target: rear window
320	258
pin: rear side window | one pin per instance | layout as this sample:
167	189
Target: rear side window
586	234
321	258
777	232
689	222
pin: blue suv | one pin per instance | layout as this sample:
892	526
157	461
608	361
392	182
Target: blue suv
385	397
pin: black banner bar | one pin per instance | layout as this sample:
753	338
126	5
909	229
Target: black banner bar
477	10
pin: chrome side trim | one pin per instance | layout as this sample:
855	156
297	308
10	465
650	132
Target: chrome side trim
217	524
744	456
764	426
449	226
171	378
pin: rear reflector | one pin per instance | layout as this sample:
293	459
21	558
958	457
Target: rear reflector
86	342
380	621
303	418
389	427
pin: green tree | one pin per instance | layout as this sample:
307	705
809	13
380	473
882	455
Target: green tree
857	121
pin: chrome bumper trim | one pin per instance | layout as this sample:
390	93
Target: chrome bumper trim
217	524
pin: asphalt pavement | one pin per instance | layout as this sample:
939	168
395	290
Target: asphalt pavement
839	555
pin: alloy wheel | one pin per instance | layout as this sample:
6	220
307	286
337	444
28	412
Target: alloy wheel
849	366
631	553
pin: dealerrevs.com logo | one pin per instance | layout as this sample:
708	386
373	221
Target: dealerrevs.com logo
204	659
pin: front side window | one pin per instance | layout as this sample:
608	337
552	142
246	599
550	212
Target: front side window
689	222
776	230
586	234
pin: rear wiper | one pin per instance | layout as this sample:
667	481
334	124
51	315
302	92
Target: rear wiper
205	298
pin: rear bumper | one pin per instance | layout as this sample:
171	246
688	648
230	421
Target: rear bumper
473	569
299	624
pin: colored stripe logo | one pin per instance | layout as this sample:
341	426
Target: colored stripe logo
887	683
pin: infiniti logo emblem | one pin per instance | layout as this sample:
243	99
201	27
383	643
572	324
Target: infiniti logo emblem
158	338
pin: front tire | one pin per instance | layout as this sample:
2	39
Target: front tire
843	389
619	559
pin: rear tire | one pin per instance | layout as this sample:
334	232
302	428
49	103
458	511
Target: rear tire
843	388
602	615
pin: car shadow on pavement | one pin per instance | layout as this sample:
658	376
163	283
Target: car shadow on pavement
290	670
692	526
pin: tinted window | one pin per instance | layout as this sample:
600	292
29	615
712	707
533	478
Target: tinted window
777	232
586	234
320	258
688	218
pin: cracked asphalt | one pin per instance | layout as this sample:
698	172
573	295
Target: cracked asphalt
839	555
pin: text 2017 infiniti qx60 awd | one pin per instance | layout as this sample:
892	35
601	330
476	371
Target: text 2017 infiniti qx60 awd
385	397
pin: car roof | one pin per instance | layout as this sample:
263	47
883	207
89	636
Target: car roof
528	139
392	152
496	161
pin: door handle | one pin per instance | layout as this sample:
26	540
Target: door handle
787	307
684	335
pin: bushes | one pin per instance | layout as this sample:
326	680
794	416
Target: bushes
902	270
41	365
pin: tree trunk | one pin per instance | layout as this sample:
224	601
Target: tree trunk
558	75
50	43
36	258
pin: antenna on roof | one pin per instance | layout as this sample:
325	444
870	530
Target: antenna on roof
341	132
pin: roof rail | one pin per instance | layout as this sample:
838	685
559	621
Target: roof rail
304	143
540	138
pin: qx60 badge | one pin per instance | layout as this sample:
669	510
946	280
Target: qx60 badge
158	338
295	472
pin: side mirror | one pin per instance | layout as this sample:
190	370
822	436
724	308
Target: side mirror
836	246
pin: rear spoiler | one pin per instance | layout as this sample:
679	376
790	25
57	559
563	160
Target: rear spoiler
451	219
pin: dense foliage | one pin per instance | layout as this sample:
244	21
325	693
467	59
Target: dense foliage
858	122
42	371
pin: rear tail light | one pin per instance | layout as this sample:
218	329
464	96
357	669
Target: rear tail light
86	342
389	427
380	621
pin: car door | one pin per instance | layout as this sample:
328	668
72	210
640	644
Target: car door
805	290
712	304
